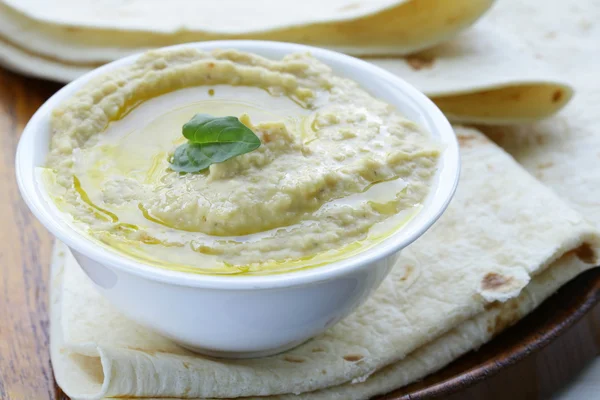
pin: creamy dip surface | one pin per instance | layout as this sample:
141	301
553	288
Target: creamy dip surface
337	171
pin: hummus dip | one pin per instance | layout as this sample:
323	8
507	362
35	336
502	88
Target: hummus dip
337	170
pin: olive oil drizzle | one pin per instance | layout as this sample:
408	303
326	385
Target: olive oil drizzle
131	247
271	267
149	217
101	212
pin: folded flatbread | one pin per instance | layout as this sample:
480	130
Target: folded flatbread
79	32
505	243
563	151
484	75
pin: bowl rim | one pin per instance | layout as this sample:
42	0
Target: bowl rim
448	176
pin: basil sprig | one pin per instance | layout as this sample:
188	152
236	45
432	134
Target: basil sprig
212	140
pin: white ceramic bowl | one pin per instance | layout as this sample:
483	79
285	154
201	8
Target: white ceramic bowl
244	316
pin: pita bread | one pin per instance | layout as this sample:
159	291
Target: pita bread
484	75
502	229
509	84
92	31
467	336
32	65
563	151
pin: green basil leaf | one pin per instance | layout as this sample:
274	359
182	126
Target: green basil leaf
212	140
204	128
182	163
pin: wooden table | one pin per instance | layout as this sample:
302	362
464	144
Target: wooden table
25	371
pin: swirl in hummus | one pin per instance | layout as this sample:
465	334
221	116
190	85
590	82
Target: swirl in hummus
337	171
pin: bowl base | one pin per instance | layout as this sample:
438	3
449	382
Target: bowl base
242	354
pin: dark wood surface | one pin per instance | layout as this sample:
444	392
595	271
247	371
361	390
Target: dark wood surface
531	360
